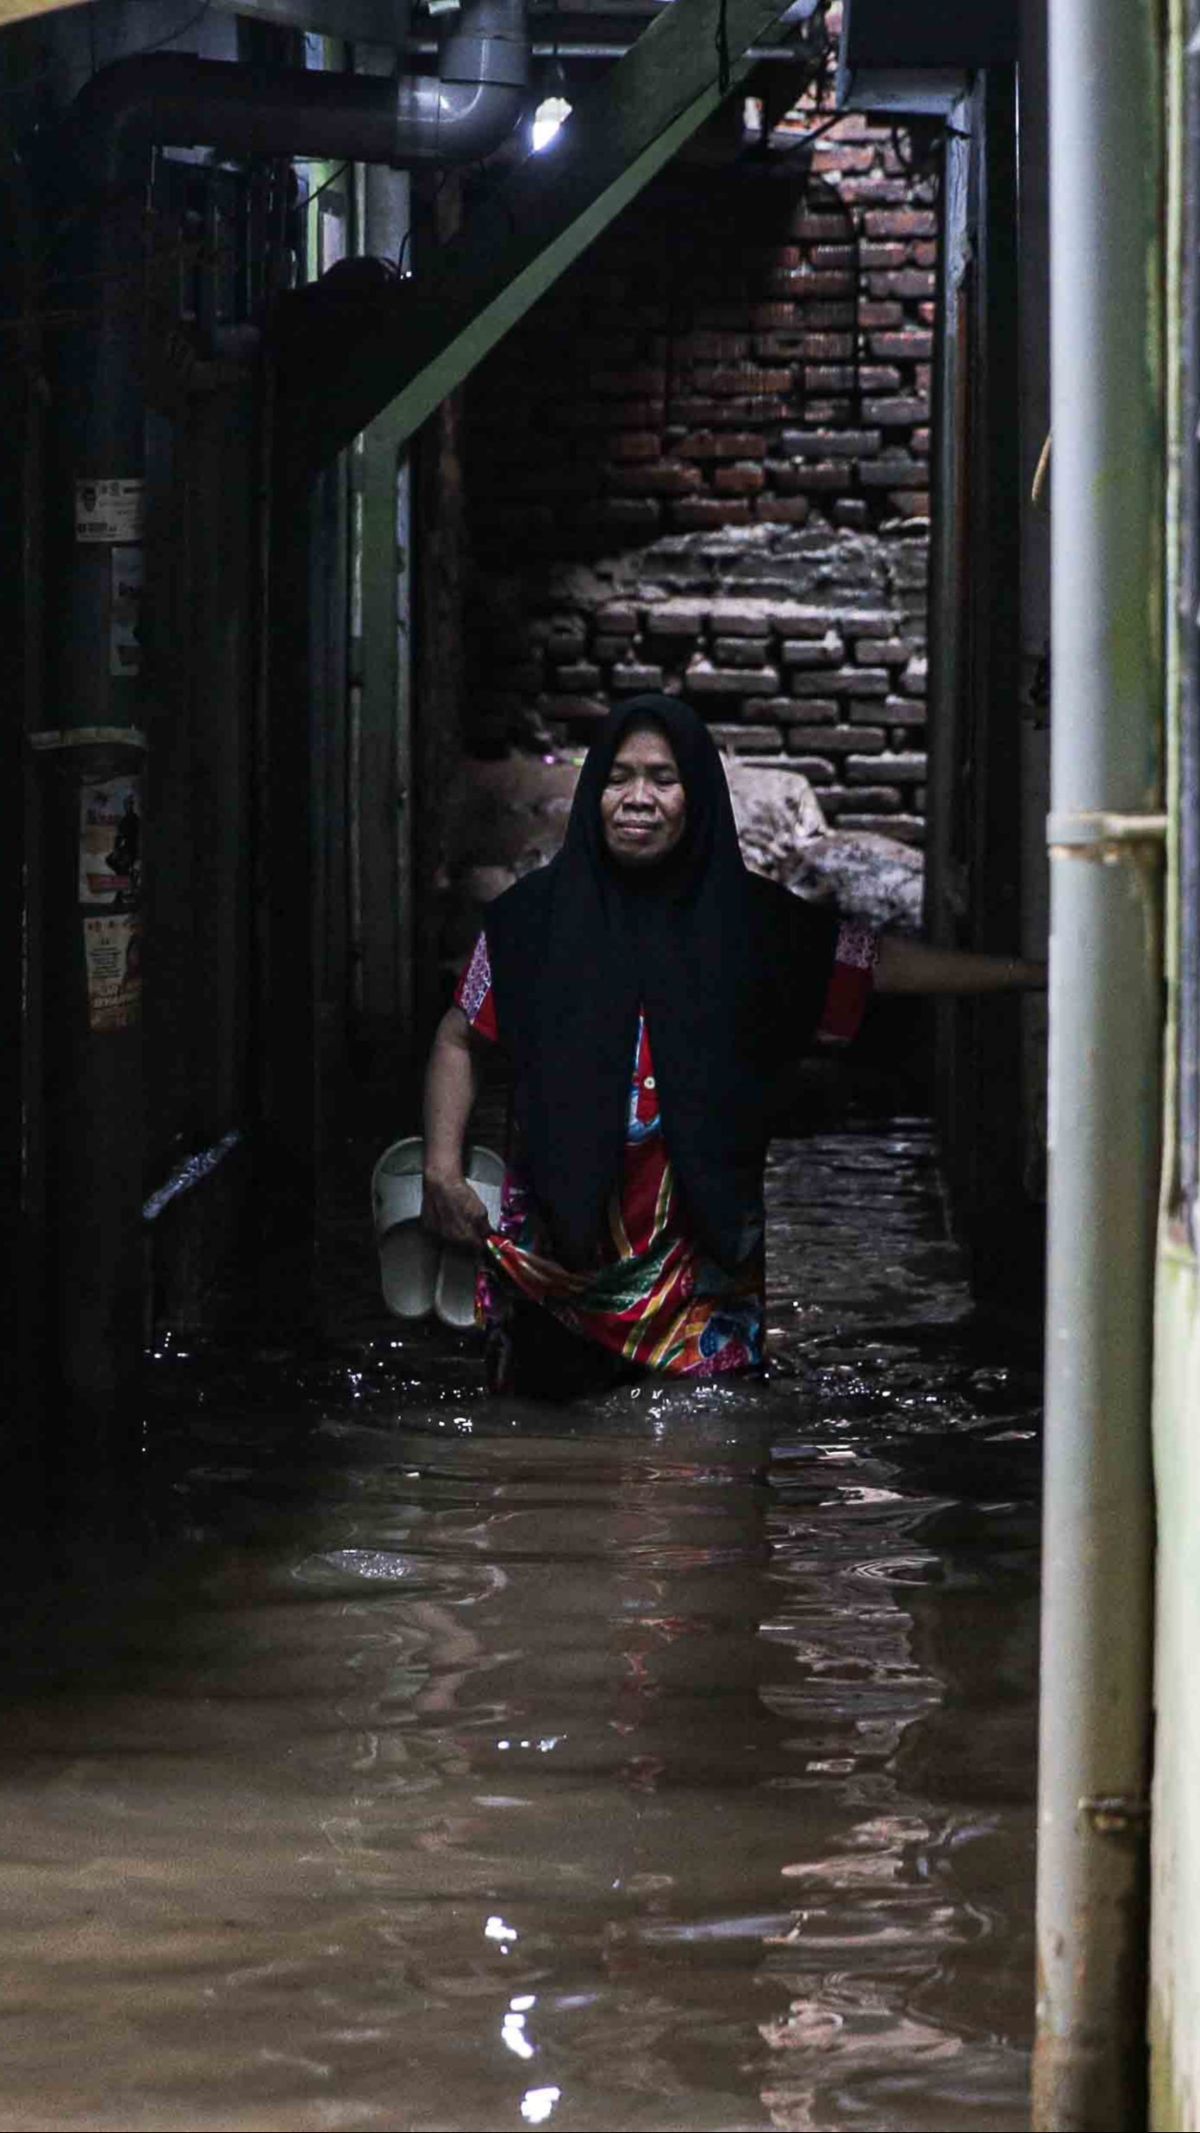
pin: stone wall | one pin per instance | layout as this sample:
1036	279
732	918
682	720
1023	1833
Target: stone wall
701	465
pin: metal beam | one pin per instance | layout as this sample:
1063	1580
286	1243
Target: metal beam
345	358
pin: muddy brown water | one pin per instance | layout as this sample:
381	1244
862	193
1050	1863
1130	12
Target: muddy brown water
659	1763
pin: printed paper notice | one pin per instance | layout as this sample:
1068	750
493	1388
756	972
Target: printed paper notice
110	843
113	951
125	611
110	510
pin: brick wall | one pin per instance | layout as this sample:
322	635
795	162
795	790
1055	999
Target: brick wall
701	465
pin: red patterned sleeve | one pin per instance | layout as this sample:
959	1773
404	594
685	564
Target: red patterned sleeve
854	959
473	993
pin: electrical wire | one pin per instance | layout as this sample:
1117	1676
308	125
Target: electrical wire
191	23
327	182
722	44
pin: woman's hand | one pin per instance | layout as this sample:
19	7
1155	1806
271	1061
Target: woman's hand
453	1210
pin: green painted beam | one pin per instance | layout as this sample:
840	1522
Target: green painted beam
398	356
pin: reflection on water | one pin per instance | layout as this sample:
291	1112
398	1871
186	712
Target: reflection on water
663	1763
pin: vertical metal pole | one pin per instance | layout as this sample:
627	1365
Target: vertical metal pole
1105	1042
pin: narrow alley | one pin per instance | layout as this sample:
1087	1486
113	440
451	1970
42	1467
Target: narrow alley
600	602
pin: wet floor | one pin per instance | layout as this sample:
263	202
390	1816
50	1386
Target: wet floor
660	1763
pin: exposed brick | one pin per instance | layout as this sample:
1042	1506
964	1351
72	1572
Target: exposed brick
631	445
801	284
747	380
781	510
897	711
763	317
849	681
893	472
618	619
826	651
745	478
814	767
879	799
898	413
560	651
825	347
906	282
746	740
707	444
814	711
915	676
829	474
787	345
909	503
874	191
741	651
851	511
901	222
675	618
830	378
833	161
669	478
882	651
896	769
911	342
832	255
925	255
699	513
830	444
865	621
838	740
739	618
883	255
785	479
578	679
810	227
703	679
629	680
878	378
768	708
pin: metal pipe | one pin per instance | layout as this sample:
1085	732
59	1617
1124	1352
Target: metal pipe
174	99
1105	1059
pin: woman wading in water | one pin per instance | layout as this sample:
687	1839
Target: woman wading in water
651	995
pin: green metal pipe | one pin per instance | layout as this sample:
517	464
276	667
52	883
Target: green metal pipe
1105	1061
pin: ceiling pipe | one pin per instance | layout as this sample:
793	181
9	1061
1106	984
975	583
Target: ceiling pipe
170	99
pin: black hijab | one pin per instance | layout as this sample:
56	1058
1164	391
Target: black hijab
731	971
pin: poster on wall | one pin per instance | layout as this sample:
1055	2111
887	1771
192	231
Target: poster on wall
125	612
112	949
110	510
110	843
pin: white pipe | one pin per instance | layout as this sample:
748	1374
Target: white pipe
1105	1055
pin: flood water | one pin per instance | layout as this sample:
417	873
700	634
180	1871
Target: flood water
429	1762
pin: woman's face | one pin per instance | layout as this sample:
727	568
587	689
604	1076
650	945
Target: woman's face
643	808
